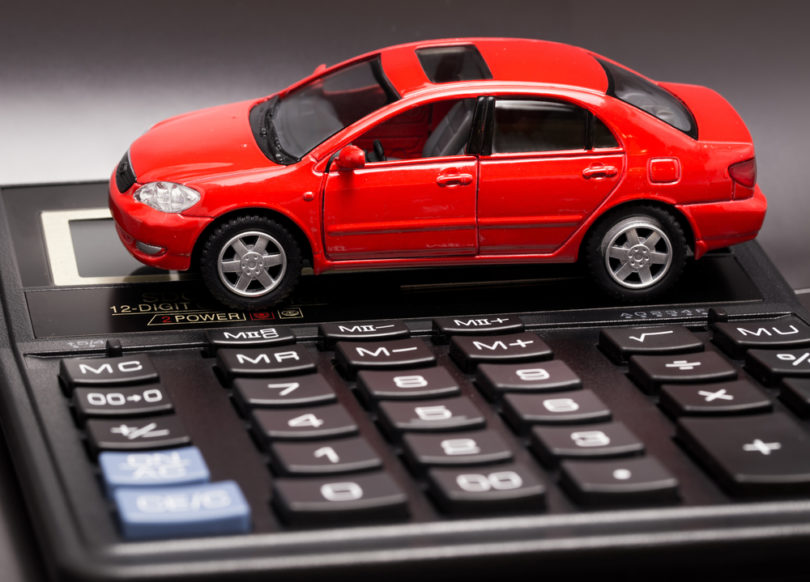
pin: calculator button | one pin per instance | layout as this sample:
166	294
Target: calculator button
581	406
509	487
430	415
406	384
155	432
768	366
796	394
622	342
649	372
186	511
277	392
748	455
737	337
469	351
459	448
551	376
638	480
138	400
610	439
338	500
330	420
718	398
265	361
446	326
249	337
182	466
405	353
106	371
324	457
331	333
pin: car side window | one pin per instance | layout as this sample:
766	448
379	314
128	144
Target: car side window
601	135
541	125
435	129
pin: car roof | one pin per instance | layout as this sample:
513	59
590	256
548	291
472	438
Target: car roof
508	59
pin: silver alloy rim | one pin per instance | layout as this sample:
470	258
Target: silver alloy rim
251	264
637	252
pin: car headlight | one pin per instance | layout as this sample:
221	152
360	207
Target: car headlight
167	197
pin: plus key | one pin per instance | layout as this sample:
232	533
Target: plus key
751	455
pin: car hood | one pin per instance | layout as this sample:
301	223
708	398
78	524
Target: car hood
198	145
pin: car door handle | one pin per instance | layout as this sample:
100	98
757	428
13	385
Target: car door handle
599	172
455	179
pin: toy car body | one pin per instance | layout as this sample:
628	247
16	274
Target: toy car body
446	152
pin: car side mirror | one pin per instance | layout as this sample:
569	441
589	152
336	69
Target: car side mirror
351	158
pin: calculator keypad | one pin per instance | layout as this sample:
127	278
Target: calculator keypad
370	423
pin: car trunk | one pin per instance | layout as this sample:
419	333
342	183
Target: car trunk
717	121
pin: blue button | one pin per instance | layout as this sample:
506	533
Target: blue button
188	511
182	466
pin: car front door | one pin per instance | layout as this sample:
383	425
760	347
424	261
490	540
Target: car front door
551	164
417	200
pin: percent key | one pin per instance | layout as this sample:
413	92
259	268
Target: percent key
769	366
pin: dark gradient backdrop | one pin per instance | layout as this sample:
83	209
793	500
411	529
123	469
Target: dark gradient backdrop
79	80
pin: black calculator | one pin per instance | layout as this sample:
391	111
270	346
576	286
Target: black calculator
460	424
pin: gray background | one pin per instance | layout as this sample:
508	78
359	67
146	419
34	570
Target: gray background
80	80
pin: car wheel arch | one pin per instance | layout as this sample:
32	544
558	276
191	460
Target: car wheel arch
629	206
303	241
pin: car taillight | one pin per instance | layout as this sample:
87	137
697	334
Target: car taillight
744	173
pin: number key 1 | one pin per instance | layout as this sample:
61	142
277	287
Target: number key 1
324	457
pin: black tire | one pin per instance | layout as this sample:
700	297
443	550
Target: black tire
637	254
250	262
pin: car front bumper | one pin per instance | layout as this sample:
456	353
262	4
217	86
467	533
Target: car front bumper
158	239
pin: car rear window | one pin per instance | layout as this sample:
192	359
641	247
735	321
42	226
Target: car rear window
445	64
649	97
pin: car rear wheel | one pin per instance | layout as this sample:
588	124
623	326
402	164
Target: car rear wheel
250	262
637	254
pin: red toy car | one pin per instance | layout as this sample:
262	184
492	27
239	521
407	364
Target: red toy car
446	152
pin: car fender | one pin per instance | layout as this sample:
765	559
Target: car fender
571	248
291	193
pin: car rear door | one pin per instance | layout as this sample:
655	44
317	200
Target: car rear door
550	164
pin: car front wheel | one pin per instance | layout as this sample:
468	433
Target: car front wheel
638	254
250	262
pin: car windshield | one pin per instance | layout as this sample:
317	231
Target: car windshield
311	113
649	97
